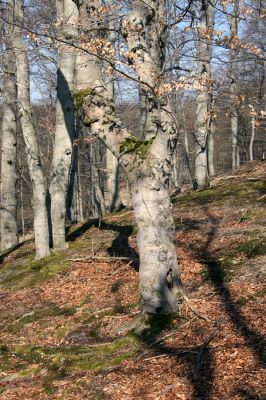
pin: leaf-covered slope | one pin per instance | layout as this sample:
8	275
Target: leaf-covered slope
63	320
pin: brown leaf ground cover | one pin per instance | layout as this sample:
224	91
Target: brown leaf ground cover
64	323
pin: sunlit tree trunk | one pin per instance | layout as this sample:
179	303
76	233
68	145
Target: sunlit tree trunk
87	71
8	217
233	76
112	163
212	128
203	97
65	123
41	231
147	163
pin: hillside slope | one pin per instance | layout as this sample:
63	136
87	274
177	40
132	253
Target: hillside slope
63	320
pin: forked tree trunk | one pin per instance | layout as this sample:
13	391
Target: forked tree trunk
147	163
65	124
41	231
203	97
8	217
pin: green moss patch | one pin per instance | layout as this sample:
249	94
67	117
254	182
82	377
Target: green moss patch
79	96
17	276
60	360
233	192
135	145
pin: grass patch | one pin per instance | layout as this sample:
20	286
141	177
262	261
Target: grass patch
253	248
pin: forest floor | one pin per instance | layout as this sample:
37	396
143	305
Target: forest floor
63	320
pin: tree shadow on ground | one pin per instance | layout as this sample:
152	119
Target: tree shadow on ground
198	362
253	339
199	359
120	246
9	251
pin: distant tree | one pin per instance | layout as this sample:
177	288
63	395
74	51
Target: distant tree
8	216
203	111
67	16
41	230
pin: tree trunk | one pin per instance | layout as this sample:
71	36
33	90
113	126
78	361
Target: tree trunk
97	199
203	98
112	163
252	138
211	147
113	190
30	138
160	285
8	217
233	76
65	125
147	163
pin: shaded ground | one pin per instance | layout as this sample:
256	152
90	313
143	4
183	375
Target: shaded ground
63	320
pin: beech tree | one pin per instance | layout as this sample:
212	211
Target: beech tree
65	123
203	111
147	163
8	217
41	231
233	19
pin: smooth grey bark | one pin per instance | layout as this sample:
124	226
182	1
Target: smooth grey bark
147	163
97	198
233	20
88	72
203	99
75	210
211	150
8	217
252	137
41	231
112	164
65	124
212	129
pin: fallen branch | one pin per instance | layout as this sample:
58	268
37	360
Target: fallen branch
194	310
98	258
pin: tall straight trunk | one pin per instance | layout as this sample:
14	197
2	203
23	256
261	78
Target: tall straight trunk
211	145
112	163
147	163
113	189
97	198
8	217
252	138
233	76
203	98
41	231
88	72
65	124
